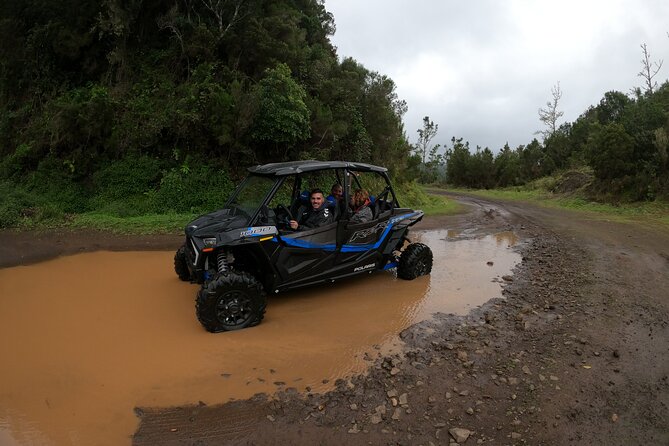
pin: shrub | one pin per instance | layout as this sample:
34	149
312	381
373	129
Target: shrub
127	177
53	183
131	206
22	207
11	208
199	189
14	165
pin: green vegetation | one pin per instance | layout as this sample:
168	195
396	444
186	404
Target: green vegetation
415	196
144	224
622	142
138	115
132	109
440	205
132	188
552	192
114	218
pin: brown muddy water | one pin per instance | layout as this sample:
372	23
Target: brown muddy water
87	338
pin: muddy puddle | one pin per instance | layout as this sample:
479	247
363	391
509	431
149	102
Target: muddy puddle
87	338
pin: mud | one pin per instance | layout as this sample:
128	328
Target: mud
574	354
91	337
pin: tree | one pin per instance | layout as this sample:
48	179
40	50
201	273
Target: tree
530	160
382	111
425	136
557	148
481	173
550	115
282	117
649	70
226	14
611	151
612	107
507	167
458	162
225	80
433	170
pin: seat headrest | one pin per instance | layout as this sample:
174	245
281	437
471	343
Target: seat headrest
304	196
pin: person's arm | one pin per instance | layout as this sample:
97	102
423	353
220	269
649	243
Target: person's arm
362	216
298	225
369	215
328	215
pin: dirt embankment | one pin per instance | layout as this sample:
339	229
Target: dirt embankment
575	353
24	248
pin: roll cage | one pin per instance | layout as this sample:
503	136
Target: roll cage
347	174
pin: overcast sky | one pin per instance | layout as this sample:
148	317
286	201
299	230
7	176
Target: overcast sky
481	69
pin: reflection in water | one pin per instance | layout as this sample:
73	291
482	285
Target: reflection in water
462	278
452	233
506	239
85	339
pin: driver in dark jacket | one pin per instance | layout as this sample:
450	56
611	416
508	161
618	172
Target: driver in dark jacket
318	215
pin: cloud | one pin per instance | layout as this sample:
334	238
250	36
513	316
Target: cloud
482	69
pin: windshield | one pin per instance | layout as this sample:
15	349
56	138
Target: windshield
252	193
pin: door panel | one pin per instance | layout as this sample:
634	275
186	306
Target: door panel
307	254
364	236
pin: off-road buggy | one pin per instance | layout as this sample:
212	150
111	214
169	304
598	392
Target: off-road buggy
247	249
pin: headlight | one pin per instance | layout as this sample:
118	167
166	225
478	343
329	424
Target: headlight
209	242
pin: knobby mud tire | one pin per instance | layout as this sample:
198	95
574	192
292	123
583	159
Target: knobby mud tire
230	301
415	261
180	265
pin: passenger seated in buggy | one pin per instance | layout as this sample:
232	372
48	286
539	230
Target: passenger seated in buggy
360	202
319	214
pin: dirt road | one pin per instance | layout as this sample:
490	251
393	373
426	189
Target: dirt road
575	353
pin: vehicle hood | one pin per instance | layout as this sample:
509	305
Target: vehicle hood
222	220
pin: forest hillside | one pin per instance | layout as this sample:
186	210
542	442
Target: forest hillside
146	106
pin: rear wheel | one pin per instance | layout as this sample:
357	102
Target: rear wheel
181	265
416	261
230	301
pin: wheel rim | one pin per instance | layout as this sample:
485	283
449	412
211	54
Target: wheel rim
421	268
233	308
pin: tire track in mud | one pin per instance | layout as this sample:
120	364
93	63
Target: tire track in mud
197	425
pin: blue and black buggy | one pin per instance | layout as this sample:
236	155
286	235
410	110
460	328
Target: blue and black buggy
247	249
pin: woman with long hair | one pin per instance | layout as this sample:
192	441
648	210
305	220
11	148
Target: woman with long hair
360	204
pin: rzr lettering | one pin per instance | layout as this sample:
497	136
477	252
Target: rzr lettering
364	233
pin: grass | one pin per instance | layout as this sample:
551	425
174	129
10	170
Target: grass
415	196
412	196
139	225
175	223
441	205
144	224
656	212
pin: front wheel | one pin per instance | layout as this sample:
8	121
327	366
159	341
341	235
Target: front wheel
181	265
416	261
230	301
